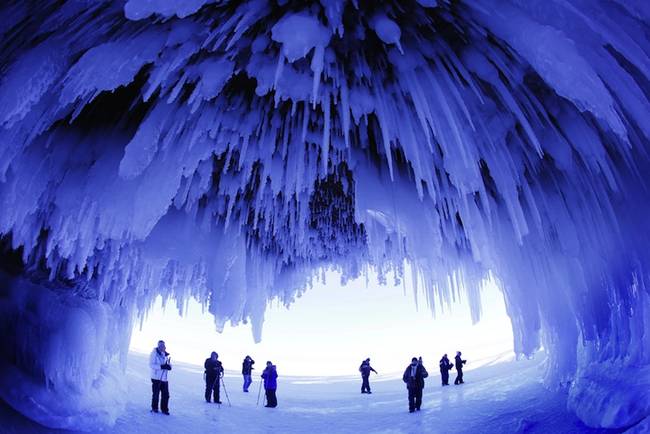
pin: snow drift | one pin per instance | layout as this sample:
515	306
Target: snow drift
228	151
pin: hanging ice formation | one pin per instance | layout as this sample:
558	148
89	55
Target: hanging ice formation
229	151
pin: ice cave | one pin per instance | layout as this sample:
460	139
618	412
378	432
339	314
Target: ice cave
229	152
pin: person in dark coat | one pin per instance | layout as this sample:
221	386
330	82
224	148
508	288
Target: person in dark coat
246	368
365	370
270	376
459	368
445	367
414	376
213	372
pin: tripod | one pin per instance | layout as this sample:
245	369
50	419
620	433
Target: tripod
259	391
226	392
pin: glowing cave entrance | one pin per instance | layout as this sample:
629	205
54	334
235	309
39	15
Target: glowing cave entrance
331	328
228	151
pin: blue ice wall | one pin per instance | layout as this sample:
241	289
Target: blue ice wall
229	151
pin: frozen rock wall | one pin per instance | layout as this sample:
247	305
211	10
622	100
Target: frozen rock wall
64	355
228	151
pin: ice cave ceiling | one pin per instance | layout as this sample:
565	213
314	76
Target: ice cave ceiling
229	150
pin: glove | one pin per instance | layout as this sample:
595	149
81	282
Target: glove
166	367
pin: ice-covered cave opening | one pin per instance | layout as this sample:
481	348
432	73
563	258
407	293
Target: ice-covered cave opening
229	151
331	328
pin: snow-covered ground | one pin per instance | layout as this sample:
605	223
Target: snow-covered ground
505	397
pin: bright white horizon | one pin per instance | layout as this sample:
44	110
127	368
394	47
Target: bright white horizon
331	328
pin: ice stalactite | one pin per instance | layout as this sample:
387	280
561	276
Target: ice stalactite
229	151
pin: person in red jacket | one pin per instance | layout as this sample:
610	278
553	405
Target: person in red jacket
270	376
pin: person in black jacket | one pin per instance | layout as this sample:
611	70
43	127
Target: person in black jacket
414	376
445	367
246	368
365	370
213	372
459	368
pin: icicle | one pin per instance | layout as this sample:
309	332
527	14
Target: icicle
317	68
325	143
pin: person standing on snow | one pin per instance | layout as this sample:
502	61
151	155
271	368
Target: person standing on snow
270	376
414	376
213	372
247	367
160	365
445	367
459	368
365	369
